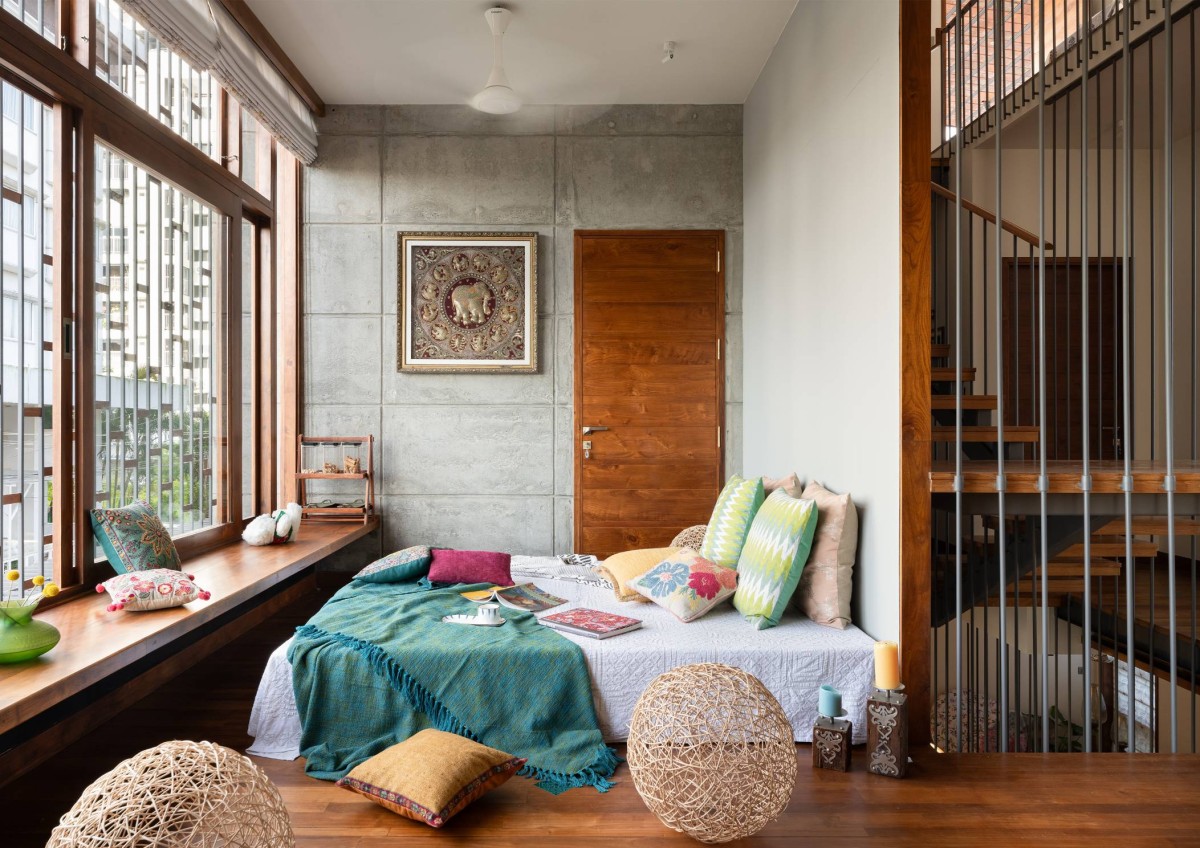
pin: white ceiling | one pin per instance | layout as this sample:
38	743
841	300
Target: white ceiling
556	51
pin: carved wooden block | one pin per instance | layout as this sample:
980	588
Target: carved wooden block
831	744
887	734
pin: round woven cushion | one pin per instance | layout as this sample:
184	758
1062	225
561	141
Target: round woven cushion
711	752
692	537
181	795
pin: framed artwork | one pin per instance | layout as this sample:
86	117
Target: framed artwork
467	301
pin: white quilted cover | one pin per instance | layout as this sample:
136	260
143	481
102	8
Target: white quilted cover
792	660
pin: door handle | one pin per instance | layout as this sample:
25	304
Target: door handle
587	431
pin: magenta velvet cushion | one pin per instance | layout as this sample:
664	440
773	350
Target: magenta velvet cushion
470	567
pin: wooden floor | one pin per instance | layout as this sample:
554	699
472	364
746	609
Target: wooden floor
1027	799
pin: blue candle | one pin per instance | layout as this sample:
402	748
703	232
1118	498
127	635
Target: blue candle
829	703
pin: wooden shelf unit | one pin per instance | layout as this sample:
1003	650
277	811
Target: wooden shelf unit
337	512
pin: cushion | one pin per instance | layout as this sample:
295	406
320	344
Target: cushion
773	558
470	567
151	589
431	776
407	564
826	582
790	484
620	569
690	537
686	584
134	539
731	517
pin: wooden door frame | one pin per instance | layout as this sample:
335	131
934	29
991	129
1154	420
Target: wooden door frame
577	389
915	327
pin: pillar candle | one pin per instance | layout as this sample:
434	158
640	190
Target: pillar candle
829	703
887	665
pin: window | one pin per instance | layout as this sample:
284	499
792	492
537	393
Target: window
26	256
157	420
39	15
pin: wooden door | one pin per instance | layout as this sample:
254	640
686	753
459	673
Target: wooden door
649	327
1063	439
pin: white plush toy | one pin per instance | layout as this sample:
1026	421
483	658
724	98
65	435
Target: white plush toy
274	529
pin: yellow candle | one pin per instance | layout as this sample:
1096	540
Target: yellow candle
887	665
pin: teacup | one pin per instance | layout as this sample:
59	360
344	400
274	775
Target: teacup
489	613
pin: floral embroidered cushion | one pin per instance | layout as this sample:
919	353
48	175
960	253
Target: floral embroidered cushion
686	584
773	557
431	776
151	589
134	539
398	567
730	521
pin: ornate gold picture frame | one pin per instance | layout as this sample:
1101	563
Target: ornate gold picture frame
467	302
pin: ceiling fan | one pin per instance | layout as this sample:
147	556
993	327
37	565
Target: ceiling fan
497	98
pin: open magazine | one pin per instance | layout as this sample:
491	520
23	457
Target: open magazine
526	597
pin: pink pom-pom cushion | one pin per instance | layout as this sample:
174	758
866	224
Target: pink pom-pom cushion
153	588
470	567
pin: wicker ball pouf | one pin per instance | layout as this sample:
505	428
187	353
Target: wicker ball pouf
711	752
691	537
179	794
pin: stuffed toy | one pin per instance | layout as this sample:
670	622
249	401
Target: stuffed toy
274	529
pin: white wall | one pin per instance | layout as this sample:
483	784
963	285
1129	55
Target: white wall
822	275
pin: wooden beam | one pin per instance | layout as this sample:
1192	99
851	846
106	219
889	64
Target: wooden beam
915	350
258	33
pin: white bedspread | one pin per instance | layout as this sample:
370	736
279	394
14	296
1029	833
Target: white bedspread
792	660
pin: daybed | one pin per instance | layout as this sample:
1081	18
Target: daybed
793	660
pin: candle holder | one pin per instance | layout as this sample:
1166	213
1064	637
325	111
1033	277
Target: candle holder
887	732
831	742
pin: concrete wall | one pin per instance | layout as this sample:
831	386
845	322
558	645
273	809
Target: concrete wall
822	267
485	461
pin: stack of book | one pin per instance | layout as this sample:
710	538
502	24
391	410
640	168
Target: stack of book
593	623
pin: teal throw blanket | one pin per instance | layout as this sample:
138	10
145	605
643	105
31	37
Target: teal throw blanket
376	664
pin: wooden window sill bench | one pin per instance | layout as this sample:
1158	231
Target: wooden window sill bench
106	661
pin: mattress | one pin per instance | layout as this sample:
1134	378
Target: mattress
792	660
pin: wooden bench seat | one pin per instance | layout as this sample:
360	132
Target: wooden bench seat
119	657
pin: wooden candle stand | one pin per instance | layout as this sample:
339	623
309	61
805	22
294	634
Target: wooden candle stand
831	743
887	732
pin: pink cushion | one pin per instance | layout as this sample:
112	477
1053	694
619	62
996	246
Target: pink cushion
470	567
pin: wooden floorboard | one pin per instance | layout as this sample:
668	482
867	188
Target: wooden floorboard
1022	799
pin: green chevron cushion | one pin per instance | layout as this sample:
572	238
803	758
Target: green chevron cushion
731	517
773	558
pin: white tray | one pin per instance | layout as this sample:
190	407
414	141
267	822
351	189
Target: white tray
472	619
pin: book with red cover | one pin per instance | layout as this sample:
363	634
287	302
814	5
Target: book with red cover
591	622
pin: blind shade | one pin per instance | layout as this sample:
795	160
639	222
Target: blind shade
202	32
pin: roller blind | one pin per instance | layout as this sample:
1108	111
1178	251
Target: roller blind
210	39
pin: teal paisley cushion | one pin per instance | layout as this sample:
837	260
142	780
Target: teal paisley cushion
398	567
773	557
134	539
731	517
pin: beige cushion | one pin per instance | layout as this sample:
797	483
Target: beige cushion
431	776
620	569
826	584
790	484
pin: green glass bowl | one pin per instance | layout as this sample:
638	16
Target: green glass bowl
21	637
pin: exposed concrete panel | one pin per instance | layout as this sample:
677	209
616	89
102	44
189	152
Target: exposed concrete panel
341	360
650	181
564	524
732	443
564	361
564	450
464	120
469	450
649	120
520	525
469	179
351	120
342	186
341	273
732	356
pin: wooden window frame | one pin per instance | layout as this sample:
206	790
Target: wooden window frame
89	110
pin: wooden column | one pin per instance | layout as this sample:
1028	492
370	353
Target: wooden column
915	294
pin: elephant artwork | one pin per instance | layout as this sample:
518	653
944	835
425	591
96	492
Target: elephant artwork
471	303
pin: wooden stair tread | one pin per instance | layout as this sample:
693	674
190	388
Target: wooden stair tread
985	434
1074	568
1151	525
939	351
968	402
946	375
1109	549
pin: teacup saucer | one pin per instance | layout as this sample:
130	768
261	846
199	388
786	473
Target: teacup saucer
472	619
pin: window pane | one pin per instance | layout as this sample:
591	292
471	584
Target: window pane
26	312
39	15
157	419
249	248
131	59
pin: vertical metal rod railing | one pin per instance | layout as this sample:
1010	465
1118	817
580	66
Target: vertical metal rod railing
1126	344
998	70
958	366
1085	483
1043	487
1169	350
